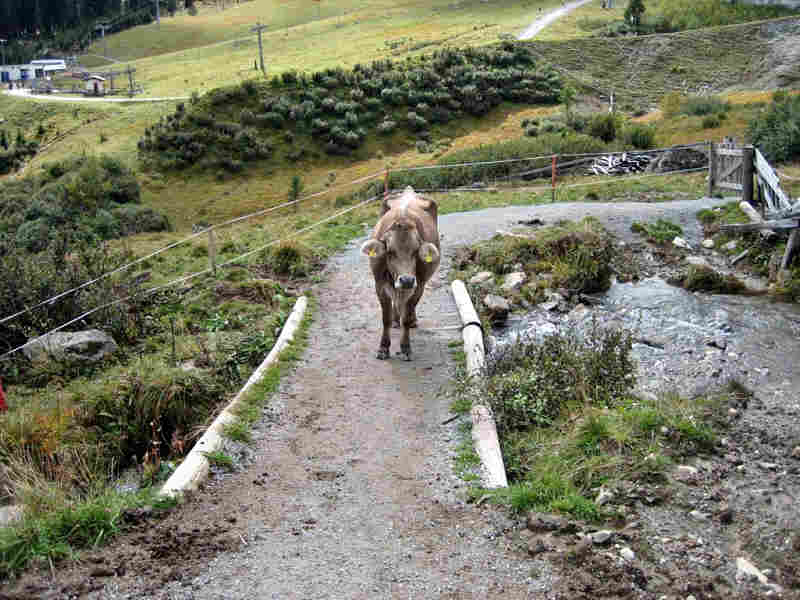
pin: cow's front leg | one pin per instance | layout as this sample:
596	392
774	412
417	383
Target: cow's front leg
409	320
385	299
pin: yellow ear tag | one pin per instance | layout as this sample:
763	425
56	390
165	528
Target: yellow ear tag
371	253
429	258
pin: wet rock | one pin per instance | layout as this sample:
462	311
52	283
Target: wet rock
601	537
697	261
725	514
9	514
730	246
539	522
685	473
698	515
708	243
603	497
796	452
627	554
747	571
536	546
497	306
679	242
80	346
768	466
513	281
481	278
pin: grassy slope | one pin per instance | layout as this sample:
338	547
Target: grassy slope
639	70
346	33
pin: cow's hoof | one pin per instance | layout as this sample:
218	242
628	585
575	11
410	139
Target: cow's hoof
404	355
383	354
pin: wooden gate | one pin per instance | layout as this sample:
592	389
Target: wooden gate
731	168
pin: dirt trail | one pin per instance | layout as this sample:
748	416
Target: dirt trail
350	492
534	28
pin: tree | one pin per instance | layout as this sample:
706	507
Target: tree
634	12
295	190
567	98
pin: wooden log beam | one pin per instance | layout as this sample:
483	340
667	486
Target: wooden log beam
791	246
754	217
770	226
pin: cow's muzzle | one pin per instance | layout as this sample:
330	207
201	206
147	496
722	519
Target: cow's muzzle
406	282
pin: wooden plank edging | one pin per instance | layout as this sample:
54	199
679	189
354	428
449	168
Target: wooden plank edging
484	429
195	467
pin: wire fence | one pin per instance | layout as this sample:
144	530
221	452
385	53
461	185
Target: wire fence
207	231
186	278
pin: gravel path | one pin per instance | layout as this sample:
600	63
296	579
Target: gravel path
534	28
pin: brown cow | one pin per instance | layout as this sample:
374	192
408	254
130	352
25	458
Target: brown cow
403	255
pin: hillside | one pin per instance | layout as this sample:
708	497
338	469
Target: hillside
639	70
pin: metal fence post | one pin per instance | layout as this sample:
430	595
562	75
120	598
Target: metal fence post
554	172
748	158
712	167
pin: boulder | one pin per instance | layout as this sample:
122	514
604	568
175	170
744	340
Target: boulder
88	346
497	306
481	278
513	281
679	242
708	243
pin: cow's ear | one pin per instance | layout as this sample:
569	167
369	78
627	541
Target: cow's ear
428	253
373	248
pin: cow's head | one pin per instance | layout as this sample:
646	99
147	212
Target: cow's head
401	247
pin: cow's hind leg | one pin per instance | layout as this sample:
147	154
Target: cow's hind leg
386	313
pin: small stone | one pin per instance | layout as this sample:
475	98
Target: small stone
679	242
685	471
725	514
497	306
691	597
513	281
768	466
601	537
603	497
730	246
481	278
536	546
697	261
627	554
544	522
698	516
708	243
747	571
733	412
796	452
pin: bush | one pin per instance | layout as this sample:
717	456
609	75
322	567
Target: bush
531	384
776	131
672	103
711	122
704	105
640	136
605	126
387	127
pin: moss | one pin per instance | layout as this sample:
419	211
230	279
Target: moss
705	279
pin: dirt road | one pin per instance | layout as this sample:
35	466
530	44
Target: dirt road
350	491
534	28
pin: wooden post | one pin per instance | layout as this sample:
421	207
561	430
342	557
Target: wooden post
712	168
553	171
748	157
259	28
212	252
385	203
791	246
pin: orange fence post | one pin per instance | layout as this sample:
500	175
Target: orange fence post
554	174
3	405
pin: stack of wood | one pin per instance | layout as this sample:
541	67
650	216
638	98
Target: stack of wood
620	164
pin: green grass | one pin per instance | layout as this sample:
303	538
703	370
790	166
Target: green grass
660	232
639	70
69	527
220	459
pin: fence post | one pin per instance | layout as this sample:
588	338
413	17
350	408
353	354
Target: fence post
554	172
385	203
712	167
748	157
212	252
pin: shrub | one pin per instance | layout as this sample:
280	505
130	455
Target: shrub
776	131
531	384
704	105
671	103
34	235
605	126
387	127
640	136
711	122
